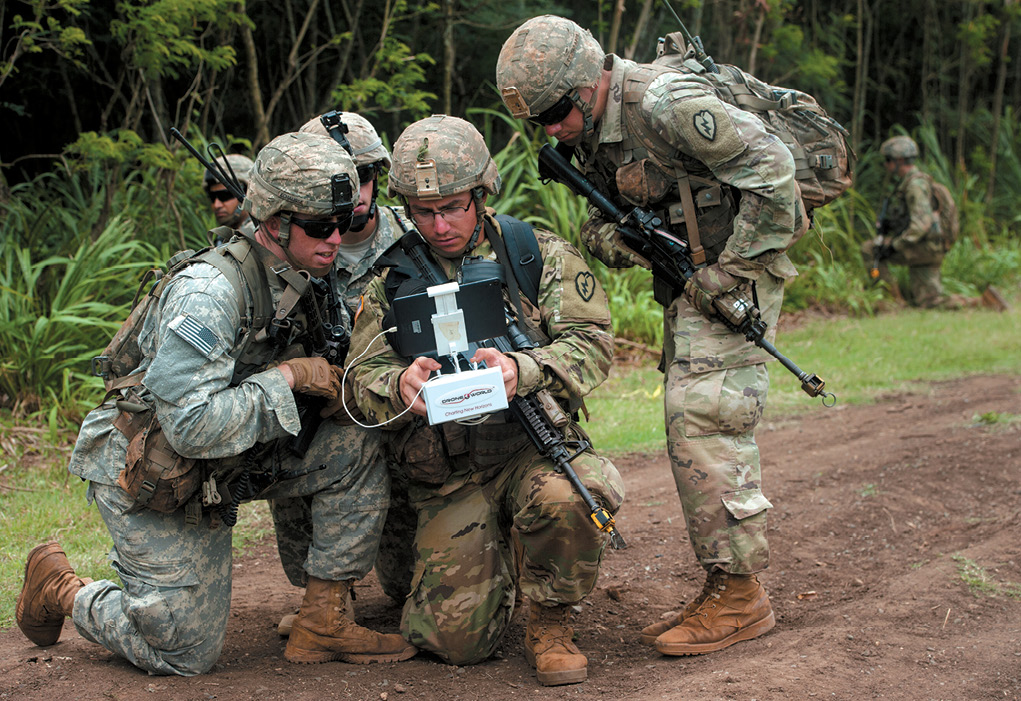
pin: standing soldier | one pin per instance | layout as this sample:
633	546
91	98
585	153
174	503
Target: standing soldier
652	136
218	386
910	233
473	483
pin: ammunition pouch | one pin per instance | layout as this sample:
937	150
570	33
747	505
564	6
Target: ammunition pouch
154	474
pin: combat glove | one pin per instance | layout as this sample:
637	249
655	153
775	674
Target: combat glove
336	410
314	376
706	285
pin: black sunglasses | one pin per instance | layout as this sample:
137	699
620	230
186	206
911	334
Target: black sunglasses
320	229
366	173
220	196
555	114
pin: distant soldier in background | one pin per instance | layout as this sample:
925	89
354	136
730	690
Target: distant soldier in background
226	208
916	229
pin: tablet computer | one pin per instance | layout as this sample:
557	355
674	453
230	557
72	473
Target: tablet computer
481	302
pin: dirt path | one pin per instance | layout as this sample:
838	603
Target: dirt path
881	514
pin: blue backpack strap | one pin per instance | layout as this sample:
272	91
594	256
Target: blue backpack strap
524	254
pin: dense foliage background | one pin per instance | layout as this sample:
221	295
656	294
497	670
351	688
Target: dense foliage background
92	189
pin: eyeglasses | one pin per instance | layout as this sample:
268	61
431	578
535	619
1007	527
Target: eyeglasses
220	196
366	173
555	114
452	214
323	228
890	159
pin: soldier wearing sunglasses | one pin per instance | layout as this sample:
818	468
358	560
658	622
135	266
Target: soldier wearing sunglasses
226	208
217	382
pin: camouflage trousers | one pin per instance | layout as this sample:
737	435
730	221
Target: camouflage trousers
462	590
715	391
925	285
169	615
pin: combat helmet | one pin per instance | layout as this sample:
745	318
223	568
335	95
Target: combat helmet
302	174
543	64
235	163
366	146
442	156
900	147
359	138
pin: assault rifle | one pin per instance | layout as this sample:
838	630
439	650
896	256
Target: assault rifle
881	250
671	263
539	413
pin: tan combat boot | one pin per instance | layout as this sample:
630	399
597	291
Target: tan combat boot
288	619
549	648
735	609
992	299
653	631
324	633
47	597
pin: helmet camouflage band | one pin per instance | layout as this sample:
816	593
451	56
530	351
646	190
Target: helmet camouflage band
899	147
240	165
441	156
366	146
545	59
302	173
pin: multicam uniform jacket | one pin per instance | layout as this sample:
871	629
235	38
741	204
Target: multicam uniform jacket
749	212
470	486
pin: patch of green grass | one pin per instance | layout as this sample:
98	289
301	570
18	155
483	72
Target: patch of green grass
42	501
994	419
861	359
869	490
980	582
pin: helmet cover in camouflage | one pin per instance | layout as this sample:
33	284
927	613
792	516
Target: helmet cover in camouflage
899	147
441	156
302	173
366	146
241	165
545	59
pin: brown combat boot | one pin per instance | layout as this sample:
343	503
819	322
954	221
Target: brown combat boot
47	596
288	619
323	632
735	609
992	299
653	631
549	648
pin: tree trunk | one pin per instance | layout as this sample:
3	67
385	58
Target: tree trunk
643	19
449	55
753	52
618	12
254	90
994	139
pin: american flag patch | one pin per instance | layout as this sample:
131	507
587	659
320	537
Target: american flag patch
195	333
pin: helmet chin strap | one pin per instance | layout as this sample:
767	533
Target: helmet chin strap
478	194
588	126
358	223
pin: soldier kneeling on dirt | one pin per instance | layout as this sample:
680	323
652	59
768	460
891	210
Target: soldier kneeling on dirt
216	400
491	510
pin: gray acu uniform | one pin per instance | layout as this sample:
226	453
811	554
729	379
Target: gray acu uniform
716	382
292	517
471	485
170	615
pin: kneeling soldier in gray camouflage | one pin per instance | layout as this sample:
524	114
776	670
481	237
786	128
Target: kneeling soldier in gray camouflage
225	387
652	136
474	484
